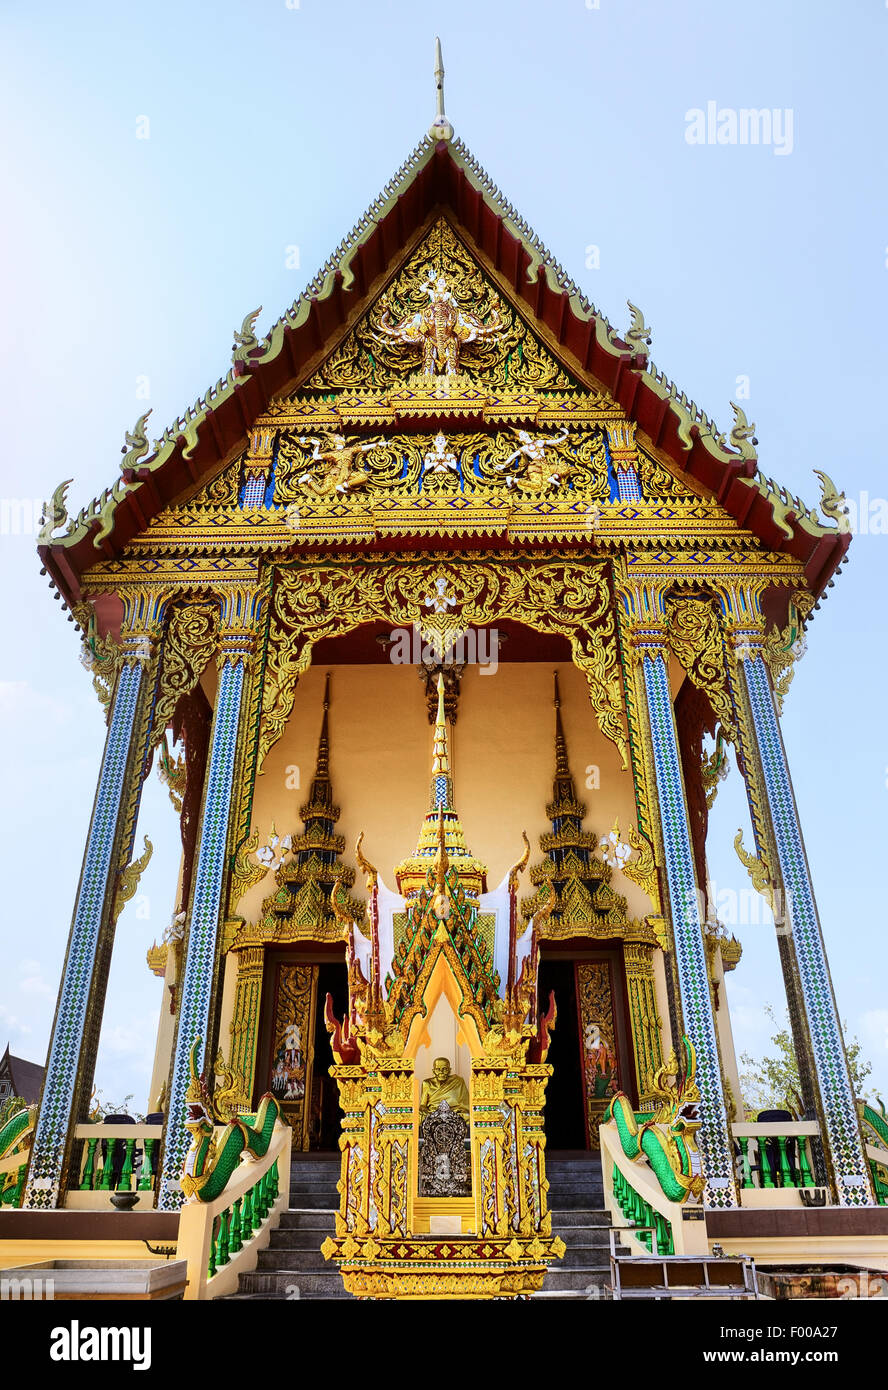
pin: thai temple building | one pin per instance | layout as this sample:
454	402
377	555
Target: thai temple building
427	615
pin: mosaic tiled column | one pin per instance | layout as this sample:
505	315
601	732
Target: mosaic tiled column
198	980
684	901
68	1062
739	609
838	1113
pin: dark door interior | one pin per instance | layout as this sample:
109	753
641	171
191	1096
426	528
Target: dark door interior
565	1116
324	1122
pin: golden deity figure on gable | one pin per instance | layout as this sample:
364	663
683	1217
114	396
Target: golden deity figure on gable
532	469
440	329
337	469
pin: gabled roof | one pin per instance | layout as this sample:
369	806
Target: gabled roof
26	1078
438	175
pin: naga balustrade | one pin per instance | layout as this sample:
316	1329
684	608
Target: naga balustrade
875	1133
775	1155
878	1162
113	1158
648	1221
220	1240
16	1136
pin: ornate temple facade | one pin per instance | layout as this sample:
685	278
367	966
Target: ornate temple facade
444	517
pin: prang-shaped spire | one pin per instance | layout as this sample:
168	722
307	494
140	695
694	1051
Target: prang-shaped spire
300	906
320	796
584	903
563	790
412	873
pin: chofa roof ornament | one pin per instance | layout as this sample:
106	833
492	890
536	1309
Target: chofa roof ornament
440	129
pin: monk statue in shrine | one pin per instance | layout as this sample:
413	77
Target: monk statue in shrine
443	1084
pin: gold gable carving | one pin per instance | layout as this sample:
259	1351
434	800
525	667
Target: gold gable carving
510	357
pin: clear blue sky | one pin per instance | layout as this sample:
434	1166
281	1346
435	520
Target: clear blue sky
273	126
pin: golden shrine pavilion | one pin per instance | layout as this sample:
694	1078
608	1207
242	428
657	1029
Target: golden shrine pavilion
444	555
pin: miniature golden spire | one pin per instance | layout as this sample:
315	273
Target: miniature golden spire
563	787
440	129
441	818
441	902
442	863
561	767
442	787
321	793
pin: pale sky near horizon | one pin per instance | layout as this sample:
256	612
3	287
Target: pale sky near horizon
273	125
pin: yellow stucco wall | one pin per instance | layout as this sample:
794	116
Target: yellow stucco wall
502	757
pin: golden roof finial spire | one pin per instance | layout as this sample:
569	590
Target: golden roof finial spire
440	129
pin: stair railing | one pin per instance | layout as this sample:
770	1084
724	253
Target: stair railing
220	1240
878	1162
649	1222
113	1158
775	1156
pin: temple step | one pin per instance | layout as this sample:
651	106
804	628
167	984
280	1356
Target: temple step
292	1266
313	1179
314	1219
576	1201
567	1201
280	1257
319	1198
580	1216
289	1285
579	1280
575	1182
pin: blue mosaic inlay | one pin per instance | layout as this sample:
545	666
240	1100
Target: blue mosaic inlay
840	1115
628	485
53	1126
200	961
690	953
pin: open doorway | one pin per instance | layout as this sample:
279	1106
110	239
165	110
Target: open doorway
565	1119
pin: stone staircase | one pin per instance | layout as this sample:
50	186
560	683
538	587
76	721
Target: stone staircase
576	1201
292	1266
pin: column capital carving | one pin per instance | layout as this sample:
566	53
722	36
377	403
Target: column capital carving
144	619
742	618
644	619
240	620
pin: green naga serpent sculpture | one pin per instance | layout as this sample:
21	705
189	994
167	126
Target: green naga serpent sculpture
211	1160
13	1135
666	1138
875	1132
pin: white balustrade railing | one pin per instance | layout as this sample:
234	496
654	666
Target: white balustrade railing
220	1240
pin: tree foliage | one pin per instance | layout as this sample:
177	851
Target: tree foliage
772	1082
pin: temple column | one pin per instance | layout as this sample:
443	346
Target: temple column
245	1017
641	988
817	1033
646	624
237	639
70	1066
